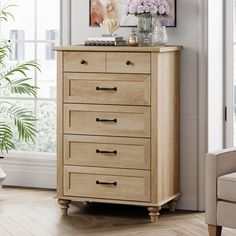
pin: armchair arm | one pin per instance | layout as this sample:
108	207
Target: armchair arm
217	164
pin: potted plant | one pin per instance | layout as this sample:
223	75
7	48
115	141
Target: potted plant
14	80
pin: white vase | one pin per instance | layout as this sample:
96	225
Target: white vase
2	176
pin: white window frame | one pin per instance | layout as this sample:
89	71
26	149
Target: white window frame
37	169
228	75
35	41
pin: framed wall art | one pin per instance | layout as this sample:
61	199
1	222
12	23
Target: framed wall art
114	9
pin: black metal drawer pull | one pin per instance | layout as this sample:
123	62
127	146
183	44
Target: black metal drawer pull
106	152
83	62
106	89
106	183
105	120
128	63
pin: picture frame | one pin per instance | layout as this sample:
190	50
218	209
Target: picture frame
100	9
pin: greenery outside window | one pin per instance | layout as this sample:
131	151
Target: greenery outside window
33	35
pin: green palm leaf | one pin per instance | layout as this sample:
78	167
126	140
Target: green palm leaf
6	137
4	50
22	119
15	80
5	13
20	85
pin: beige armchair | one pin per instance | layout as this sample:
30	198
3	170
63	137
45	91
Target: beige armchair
221	190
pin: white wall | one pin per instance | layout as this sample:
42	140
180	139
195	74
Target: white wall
186	34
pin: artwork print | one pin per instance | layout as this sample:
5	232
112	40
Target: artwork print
114	9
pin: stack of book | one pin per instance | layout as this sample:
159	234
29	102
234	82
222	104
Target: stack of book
105	41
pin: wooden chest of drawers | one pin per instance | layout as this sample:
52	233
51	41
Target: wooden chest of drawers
118	126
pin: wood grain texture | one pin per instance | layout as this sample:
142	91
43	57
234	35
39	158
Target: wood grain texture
60	123
93	62
214	230
131	121
169	48
138	62
29	212
127	152
118	184
129	89
154	213
142	112
168	125
165	126
64	205
154	130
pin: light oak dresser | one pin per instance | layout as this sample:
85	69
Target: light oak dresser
118	126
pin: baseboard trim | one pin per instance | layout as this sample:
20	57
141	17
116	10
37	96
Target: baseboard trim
30	172
189	204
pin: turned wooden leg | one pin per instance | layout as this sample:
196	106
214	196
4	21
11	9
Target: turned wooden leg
214	230
154	213
64	205
172	205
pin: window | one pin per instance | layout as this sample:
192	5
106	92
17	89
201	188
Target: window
17	46
33	34
53	36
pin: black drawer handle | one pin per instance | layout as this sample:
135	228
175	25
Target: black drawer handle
106	183
83	62
128	63
106	152
106	120
106	89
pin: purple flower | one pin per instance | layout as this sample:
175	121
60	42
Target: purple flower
153	9
146	9
137	7
161	9
140	9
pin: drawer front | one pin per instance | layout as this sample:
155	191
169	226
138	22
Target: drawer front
128	62
107	183
107	88
107	152
107	120
84	62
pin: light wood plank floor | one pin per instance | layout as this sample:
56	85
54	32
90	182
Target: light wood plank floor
25	212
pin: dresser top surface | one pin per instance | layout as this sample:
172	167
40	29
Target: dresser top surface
168	48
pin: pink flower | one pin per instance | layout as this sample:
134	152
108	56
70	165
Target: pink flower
137	7
140	9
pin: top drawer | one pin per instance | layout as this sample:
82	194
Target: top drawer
84	61
128	62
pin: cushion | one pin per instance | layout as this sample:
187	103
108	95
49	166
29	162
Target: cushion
227	187
226	214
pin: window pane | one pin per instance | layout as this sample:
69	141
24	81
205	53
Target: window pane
17	45
46	125
48	14
20	145
24	20
46	79
28	55
35	20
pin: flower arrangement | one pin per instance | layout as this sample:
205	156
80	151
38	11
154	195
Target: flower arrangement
147	7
